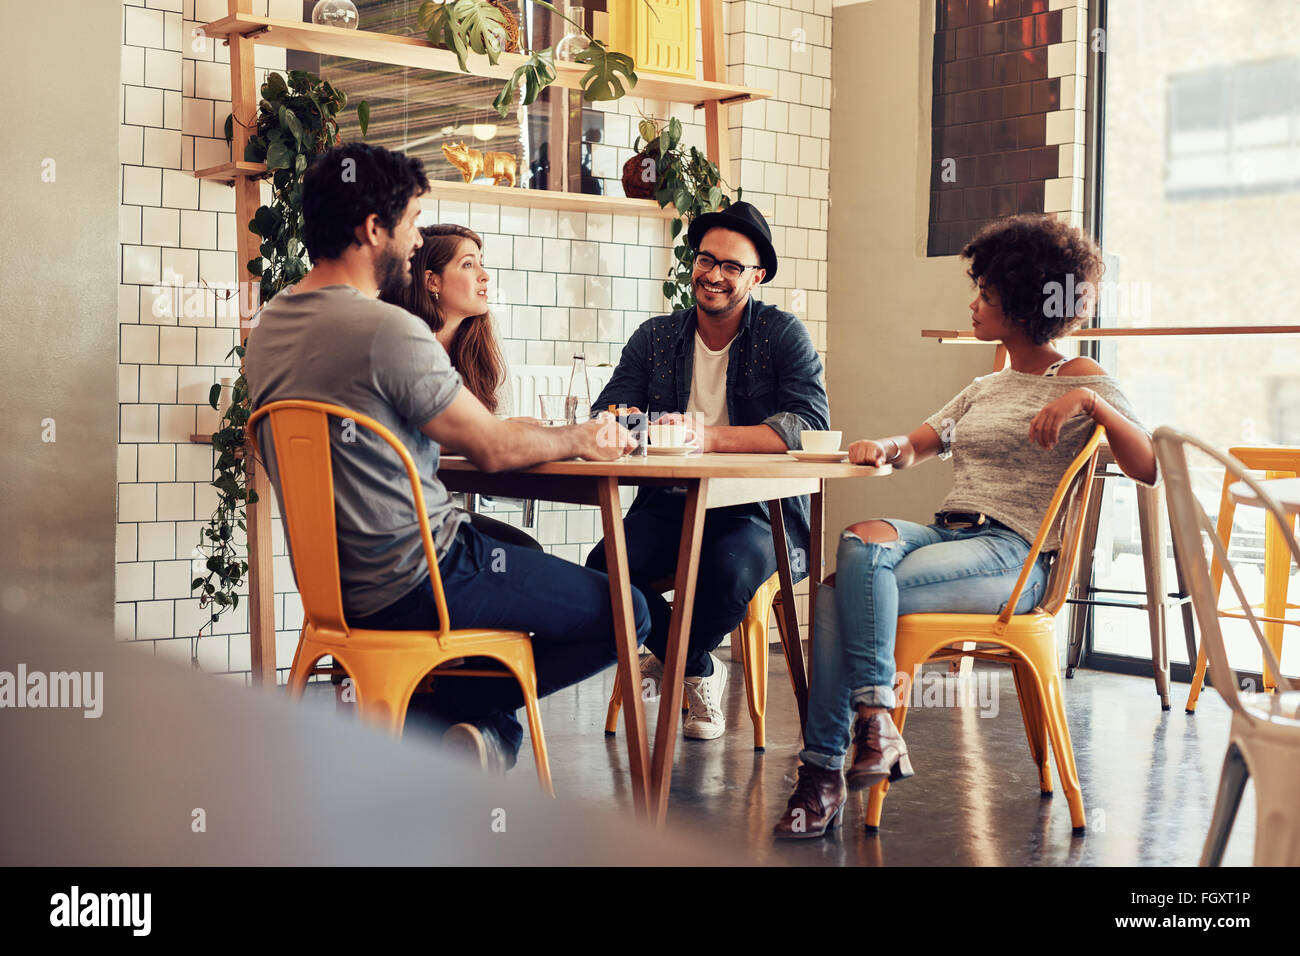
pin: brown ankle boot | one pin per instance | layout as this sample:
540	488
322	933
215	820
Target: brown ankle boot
878	752
815	806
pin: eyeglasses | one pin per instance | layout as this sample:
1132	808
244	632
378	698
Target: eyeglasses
730	268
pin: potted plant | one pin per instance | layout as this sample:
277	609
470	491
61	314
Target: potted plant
669	172
485	27
297	119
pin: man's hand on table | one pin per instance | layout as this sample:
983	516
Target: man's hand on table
701	436
604	439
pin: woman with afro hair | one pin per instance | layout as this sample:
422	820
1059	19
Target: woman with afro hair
1011	436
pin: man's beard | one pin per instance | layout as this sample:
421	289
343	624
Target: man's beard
729	304
391	275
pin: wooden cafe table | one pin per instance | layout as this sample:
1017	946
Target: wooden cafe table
711	481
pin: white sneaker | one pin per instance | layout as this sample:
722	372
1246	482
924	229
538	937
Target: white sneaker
652	677
704	719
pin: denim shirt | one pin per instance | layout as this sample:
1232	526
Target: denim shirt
773	379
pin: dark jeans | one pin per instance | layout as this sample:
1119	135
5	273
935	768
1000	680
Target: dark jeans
736	557
493	584
508	533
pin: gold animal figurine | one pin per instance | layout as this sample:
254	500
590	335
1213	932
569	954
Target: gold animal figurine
473	163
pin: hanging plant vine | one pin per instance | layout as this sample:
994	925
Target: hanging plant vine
297	119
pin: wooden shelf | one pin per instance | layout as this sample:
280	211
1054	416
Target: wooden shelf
229	172
548	199
409	51
498	195
967	336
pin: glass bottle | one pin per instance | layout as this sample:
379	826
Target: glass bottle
574	40
577	406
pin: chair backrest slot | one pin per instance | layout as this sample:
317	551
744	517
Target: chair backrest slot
1075	487
1192	529
300	435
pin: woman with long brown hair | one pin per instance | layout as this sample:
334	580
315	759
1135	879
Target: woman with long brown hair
449	291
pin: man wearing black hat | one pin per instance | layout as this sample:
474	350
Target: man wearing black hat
748	376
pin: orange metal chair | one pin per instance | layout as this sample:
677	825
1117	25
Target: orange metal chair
386	667
751	639
1025	641
1275	463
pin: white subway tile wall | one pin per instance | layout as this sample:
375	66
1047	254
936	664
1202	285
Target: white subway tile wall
564	282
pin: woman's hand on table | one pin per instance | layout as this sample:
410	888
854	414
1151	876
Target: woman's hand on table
1045	429
867	452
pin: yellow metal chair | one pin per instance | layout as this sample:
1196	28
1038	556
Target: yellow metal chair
751	639
1025	641
386	667
1264	739
1275	463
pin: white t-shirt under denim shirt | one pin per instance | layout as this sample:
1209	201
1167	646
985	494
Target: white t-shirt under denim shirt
997	469
708	399
338	345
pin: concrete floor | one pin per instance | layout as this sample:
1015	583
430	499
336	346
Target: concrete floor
1149	778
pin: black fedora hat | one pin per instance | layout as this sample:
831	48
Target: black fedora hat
743	218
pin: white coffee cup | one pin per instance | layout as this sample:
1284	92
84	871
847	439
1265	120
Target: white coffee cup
667	436
822	443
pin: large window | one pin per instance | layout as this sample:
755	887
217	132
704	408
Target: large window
1200	221
1234	130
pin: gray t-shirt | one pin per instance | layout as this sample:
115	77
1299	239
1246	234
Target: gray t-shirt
338	345
997	469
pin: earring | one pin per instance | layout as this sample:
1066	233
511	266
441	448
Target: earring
435	295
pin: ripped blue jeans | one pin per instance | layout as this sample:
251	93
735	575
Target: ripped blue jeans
929	568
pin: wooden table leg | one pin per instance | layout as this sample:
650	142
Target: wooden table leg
679	631
816	565
620	595
790	633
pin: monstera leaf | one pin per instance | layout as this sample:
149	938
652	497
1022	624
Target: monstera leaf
602	81
536	75
464	26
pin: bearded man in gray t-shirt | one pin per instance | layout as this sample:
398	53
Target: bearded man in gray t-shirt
329	338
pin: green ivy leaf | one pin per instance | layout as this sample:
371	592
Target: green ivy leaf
274	88
278	155
290	122
363	117
214	394
230	128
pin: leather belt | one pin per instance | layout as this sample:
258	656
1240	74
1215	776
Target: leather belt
958	520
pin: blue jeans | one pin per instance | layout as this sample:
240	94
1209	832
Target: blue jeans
928	569
736	557
490	583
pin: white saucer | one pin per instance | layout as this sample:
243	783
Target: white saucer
819	455
670	449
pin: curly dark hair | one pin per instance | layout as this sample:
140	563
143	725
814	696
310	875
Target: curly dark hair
346	184
1039	267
